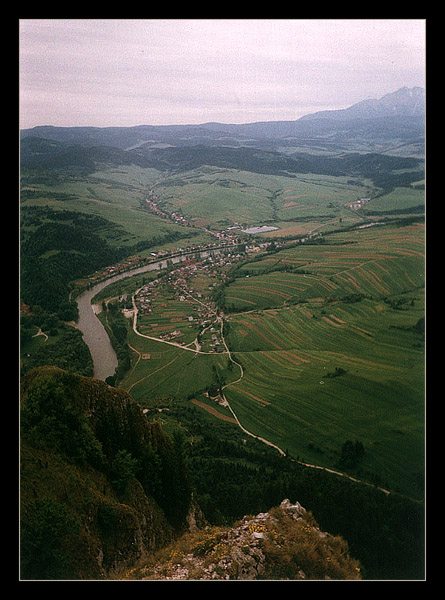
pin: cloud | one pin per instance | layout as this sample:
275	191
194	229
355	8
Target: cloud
123	72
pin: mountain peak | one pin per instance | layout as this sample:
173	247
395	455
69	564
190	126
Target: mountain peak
404	102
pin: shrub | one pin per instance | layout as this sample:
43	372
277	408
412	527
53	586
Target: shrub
297	549
123	469
46	525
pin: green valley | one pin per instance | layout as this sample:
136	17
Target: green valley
267	310
335	285
327	355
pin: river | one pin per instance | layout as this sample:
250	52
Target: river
94	333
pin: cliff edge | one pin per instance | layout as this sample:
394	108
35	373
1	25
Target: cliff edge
100	486
284	543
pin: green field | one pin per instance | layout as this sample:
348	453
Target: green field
113	194
164	371
399	199
332	350
213	196
376	261
340	356
291	392
328	331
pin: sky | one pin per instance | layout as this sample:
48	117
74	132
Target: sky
127	72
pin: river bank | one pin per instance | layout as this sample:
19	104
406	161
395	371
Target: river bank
94	333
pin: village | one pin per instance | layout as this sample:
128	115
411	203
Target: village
152	204
360	203
178	306
226	239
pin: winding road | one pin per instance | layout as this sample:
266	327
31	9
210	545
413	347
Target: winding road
105	359
225	401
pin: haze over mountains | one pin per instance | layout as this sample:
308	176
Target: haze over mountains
380	125
405	102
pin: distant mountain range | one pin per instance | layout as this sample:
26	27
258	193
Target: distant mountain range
394	123
405	102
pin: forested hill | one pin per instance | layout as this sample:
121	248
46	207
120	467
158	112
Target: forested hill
386	171
396	118
101	486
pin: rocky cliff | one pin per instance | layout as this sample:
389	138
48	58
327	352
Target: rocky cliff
101	487
284	543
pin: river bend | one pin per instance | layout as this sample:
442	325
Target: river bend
94	333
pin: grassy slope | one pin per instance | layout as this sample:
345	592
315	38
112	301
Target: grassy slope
289	351
114	194
212	195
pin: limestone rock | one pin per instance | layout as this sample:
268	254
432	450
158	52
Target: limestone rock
257	548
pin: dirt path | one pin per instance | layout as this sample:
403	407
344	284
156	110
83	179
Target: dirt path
139	357
40	332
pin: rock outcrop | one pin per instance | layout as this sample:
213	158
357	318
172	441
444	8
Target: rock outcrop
284	543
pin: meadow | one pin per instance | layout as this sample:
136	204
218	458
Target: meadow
117	195
332	349
214	196
399	199
337	354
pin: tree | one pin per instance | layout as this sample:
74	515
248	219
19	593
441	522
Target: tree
46	525
351	453
49	419
149	473
123	469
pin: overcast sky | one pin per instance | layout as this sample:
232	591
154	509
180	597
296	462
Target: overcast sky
115	72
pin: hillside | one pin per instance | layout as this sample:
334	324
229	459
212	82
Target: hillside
101	487
385	124
102	490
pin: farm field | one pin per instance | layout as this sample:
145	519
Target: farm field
399	199
163	372
214	197
316	376
177	308
372	261
332	349
338	354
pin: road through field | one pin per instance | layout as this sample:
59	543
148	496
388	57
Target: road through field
105	363
195	350
225	401
94	334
